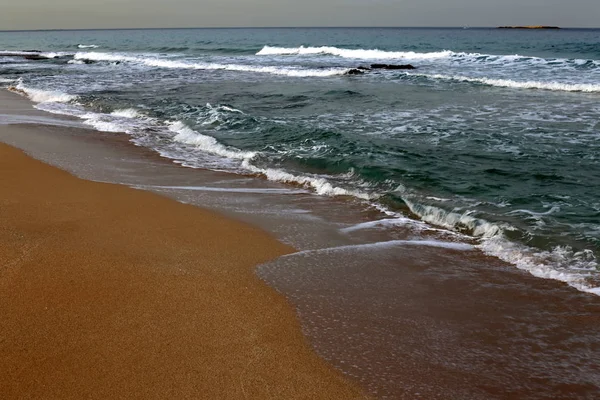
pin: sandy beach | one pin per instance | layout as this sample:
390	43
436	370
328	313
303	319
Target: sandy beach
112	292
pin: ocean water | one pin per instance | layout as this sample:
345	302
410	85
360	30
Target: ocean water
494	138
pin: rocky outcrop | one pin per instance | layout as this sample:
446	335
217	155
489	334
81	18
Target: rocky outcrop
392	66
34	57
355	71
362	69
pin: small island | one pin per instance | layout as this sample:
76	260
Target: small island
529	27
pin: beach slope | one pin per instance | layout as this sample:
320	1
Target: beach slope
112	292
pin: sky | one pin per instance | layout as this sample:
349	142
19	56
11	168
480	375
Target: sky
88	14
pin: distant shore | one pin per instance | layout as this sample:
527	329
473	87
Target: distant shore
529	27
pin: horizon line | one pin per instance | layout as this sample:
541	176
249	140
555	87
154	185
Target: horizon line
270	27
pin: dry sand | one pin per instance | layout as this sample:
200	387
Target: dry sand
111	292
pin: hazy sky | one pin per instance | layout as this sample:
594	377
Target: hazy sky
48	14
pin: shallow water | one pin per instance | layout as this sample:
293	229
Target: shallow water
494	135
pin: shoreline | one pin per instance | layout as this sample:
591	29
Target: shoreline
398	320
114	292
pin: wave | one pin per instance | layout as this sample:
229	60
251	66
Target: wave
353	53
463	223
126	113
119	121
386	223
318	184
87	46
104	123
42	96
507	83
187	64
449	55
561	263
37	54
209	144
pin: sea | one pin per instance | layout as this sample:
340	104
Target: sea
489	146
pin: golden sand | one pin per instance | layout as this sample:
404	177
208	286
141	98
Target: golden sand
110	292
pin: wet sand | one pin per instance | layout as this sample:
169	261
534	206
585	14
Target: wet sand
112	292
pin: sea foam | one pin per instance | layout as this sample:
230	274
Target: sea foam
507	83
441	55
153	61
43	96
185	134
352	53
561	263
318	184
387	244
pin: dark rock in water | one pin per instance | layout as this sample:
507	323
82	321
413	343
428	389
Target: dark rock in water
31	51
391	66
363	68
355	71
34	57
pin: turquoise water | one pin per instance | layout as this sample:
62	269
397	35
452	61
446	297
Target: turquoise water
495	135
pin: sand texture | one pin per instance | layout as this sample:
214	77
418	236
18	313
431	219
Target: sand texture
112	292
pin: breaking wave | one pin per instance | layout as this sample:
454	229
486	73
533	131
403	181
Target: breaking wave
185	134
561	263
352	53
37	54
187	64
507	83
126	113
318	184
376	54
42	96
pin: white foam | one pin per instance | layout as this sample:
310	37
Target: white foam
209	144
456	222
186	64
48	55
119	121
104	123
43	96
562	263
87	46
373	54
401	221
52	55
441	55
319	184
387	244
18	53
76	62
126	113
219	113
230	189
61	109
556	86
